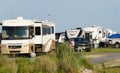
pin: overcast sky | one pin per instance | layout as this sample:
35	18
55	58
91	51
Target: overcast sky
66	14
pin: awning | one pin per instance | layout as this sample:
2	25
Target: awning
114	36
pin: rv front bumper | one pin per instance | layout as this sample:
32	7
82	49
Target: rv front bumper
16	49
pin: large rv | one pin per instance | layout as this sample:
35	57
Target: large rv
80	38
78	33
99	35
20	36
110	32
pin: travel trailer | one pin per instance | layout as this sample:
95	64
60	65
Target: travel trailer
110	32
74	33
80	38
21	36
98	34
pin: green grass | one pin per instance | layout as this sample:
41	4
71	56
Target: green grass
103	50
112	70
106	50
108	70
61	61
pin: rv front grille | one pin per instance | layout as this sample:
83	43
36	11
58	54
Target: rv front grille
14	47
14	52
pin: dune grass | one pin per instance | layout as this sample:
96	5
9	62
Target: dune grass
63	60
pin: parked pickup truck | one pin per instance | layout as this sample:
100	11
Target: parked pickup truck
82	44
114	40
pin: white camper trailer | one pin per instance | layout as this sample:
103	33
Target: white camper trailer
98	34
74	33
110	32
79	39
20	36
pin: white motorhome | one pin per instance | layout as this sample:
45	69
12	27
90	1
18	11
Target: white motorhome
20	36
98	34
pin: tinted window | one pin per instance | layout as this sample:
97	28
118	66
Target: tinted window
79	39
52	29
44	31
49	32
15	32
37	31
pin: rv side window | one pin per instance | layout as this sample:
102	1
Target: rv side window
49	32
52	29
44	31
37	31
99	32
31	31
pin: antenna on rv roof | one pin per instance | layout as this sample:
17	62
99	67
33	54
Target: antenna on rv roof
48	17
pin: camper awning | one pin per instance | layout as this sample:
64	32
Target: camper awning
114	36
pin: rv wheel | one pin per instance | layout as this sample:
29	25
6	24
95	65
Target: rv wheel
32	55
117	45
88	49
76	49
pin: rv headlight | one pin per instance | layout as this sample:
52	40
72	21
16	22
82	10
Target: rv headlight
3	46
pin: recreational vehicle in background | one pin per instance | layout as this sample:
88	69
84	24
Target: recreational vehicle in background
74	33
60	37
99	35
20	36
80	37
110	32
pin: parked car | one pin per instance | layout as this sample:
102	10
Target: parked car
82	44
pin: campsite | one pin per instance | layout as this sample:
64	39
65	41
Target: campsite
60	36
34	46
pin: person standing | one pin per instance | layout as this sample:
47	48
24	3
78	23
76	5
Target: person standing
72	44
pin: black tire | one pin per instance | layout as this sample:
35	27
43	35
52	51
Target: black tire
88	49
117	45
76	49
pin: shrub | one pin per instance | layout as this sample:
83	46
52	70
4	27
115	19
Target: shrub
7	65
25	66
63	50
70	61
61	61
46	64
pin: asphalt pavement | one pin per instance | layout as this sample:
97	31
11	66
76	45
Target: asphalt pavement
105	58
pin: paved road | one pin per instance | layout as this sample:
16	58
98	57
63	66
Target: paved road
107	57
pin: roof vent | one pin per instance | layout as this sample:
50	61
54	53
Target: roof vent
19	18
93	25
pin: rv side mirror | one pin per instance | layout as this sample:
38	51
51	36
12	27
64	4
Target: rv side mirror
31	32
31	35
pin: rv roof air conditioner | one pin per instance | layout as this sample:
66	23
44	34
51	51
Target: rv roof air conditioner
19	18
93	25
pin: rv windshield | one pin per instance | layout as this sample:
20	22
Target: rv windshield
15	32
